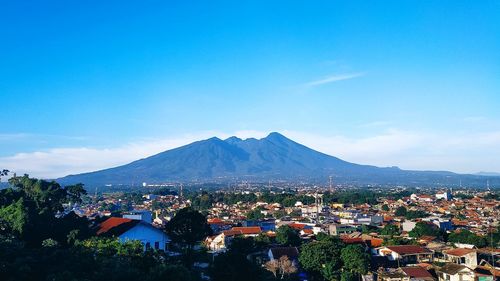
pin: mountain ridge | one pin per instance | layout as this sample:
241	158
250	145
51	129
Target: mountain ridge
274	157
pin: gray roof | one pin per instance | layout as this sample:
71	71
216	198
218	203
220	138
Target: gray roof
452	268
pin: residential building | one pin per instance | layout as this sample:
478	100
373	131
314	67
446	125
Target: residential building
406	254
129	230
455	272
340	229
467	257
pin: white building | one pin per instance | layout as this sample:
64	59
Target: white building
408	225
446	195
467	257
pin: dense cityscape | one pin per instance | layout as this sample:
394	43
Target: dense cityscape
248	232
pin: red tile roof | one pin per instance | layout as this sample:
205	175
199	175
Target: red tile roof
115	226
248	229
458	252
308	231
408	249
298	226
375	242
416	272
348	240
216	221
231	232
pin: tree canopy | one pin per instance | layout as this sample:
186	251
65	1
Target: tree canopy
355	259
425	229
287	236
31	210
188	227
322	258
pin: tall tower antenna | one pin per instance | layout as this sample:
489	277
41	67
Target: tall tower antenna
488	184
181	190
331	183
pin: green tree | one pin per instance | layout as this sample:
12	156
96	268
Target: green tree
75	192
366	229
187	227
287	236
242	245
262	241
385	207
467	237
255	214
410	215
355	259
400	211
322	258
390	229
348	276
425	229
170	273
232	266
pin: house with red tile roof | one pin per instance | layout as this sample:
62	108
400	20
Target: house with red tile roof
248	231
129	230
418	273
463	256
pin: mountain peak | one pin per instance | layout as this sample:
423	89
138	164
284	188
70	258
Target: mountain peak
212	139
276	136
233	140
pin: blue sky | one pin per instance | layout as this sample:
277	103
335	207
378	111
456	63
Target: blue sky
90	84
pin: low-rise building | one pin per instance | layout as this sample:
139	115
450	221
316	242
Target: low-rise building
129	230
405	254
455	272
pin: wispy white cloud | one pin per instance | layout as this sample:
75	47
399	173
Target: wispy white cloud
403	148
475	119
11	137
30	137
375	124
334	78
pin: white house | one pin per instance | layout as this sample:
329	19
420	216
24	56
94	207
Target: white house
128	230
463	256
455	272
405	254
221	242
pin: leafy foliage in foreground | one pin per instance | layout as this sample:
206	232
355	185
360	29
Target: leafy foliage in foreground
95	259
38	242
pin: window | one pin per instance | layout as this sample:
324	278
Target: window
157	245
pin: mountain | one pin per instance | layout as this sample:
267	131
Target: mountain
274	157
488	174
